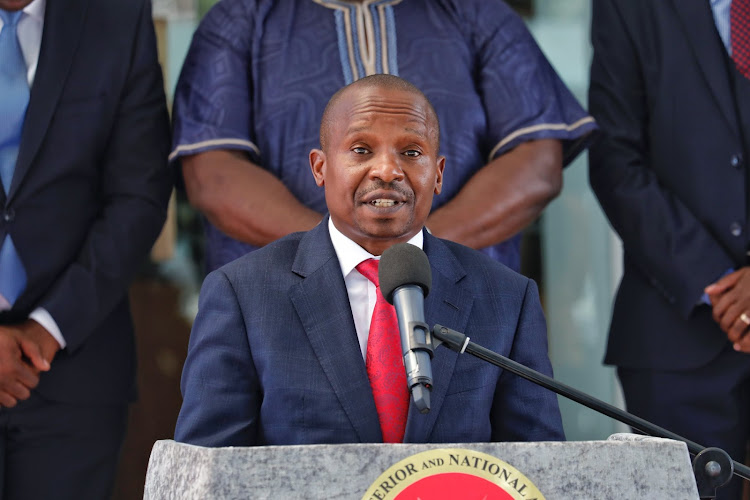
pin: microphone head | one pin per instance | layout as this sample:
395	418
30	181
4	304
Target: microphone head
403	264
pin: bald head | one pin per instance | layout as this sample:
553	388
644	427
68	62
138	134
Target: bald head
385	82
380	164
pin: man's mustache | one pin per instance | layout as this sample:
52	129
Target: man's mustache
379	184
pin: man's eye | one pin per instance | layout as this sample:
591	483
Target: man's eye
413	153
360	151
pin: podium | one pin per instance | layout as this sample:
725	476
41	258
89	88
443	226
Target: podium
625	466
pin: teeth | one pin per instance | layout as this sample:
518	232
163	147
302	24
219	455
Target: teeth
383	203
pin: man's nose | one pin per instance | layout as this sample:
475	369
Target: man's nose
387	167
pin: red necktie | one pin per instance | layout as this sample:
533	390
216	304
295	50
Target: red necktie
740	27
384	362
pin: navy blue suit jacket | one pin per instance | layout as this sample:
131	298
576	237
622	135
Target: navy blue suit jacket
90	189
669	174
274	357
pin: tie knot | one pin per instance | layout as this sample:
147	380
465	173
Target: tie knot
369	269
10	19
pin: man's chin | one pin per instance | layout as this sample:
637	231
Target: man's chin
386	230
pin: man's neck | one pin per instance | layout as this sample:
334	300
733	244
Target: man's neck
350	253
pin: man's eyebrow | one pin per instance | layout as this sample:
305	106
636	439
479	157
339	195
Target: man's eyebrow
420	133
354	130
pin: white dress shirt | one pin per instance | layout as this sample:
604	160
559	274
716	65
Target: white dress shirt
29	31
361	291
721	12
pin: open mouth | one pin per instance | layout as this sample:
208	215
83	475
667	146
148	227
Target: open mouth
384	203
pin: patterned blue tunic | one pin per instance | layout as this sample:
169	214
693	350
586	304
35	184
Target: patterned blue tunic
260	72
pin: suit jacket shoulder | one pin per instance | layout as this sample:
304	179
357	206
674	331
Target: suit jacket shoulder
477	270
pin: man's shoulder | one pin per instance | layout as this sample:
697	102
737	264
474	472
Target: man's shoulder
483	14
278	253
118	9
237	12
481	267
473	7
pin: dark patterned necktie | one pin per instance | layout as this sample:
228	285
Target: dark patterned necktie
740	28
384	362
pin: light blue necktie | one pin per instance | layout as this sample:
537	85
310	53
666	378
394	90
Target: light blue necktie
14	99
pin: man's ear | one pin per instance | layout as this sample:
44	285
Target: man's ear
439	178
318	166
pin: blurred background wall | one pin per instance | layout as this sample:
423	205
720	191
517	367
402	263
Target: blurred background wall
581	256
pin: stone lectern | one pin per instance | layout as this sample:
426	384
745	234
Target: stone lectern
625	466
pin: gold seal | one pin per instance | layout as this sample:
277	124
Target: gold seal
452	473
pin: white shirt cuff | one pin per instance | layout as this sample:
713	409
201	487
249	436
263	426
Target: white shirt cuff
41	316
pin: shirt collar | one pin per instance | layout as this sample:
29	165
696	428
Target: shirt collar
36	9
350	254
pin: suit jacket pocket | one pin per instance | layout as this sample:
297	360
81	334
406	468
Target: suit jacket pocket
294	416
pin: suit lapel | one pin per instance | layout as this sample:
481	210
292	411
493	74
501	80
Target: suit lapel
63	22
448	304
698	22
318	300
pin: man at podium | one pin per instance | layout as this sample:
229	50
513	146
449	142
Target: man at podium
293	343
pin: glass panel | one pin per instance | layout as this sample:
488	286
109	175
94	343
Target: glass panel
580	253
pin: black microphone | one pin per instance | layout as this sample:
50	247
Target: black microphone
405	280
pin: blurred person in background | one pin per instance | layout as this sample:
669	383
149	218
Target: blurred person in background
670	89
84	138
259	73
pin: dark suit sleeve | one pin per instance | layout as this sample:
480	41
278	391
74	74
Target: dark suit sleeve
661	235
134	187
220	390
522	410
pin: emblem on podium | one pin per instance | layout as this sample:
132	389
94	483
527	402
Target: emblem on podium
449	473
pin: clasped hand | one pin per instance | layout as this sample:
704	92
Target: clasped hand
26	350
730	299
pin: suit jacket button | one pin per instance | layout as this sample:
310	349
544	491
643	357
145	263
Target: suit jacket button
736	229
9	214
736	161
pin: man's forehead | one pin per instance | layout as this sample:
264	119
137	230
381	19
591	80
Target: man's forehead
359	109
379	101
384	100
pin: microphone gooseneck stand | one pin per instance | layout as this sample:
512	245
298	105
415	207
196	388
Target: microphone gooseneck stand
713	467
